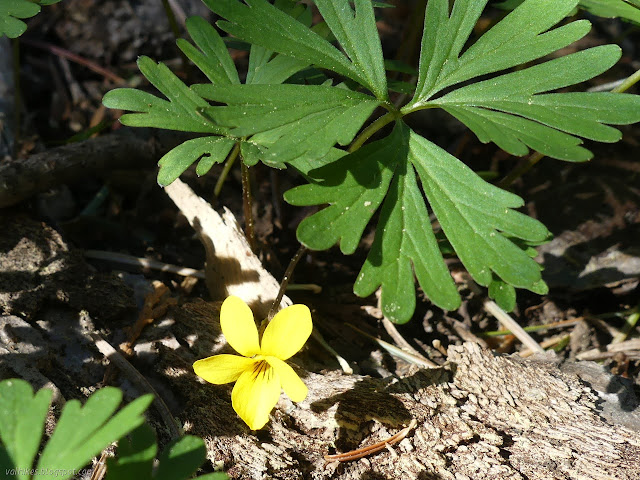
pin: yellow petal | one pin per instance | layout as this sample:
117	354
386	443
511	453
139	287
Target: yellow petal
222	368
255	394
287	332
295	388
238	326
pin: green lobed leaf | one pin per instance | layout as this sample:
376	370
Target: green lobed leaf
442	40
357	34
503	294
209	150
520	37
83	432
513	109
516	39
354	187
489	108
403	240
625	9
267	68
136	457
180	113
22	420
211	55
289	121
11	11
478	219
260	23
515	134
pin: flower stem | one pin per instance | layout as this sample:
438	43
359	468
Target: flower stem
247	207
226	169
285	281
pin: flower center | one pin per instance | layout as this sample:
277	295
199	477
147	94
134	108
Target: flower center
261	369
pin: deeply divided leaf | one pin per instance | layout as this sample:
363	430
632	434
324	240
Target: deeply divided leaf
210	150
22	420
474	215
83	432
354	187
260	23
484	82
180	112
520	37
478	218
513	109
358	36
404	245
290	121
211	56
545	122
136	457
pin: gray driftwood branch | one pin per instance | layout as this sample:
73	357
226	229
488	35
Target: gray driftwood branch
124	149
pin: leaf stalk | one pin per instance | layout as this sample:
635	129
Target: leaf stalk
226	169
381	122
628	83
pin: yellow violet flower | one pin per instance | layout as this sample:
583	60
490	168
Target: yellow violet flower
260	372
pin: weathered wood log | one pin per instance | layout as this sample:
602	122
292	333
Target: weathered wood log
480	416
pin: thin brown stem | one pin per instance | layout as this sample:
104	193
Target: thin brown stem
75	58
247	204
285	281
